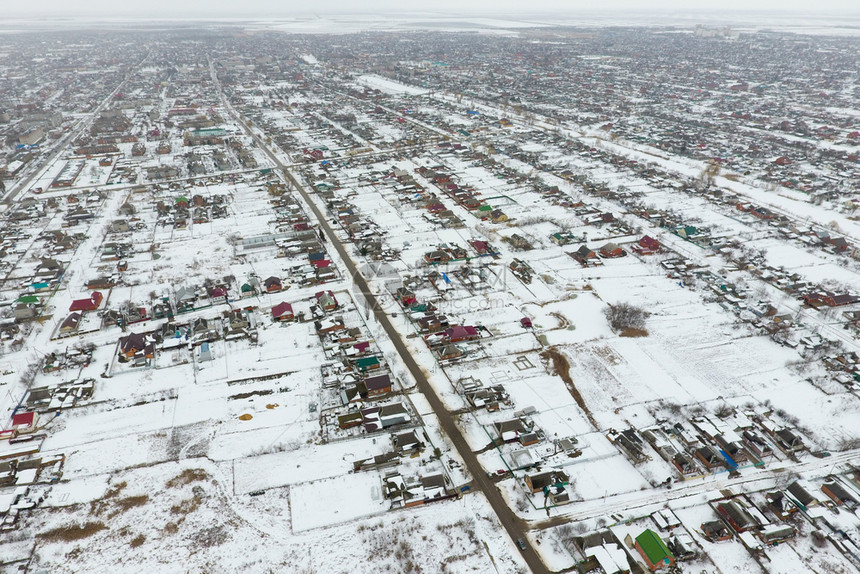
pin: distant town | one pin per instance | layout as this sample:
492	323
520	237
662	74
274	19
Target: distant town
546	299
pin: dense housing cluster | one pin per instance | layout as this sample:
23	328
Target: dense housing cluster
565	299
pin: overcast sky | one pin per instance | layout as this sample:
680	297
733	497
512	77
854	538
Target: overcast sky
488	8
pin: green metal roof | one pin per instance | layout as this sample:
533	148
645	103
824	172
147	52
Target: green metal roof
653	547
209	132
367	362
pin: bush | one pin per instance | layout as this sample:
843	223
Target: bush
73	532
626	317
187	476
132	501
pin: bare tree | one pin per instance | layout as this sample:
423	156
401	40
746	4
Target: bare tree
625	316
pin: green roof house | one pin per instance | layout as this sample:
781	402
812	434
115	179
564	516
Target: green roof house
367	363
654	550
687	232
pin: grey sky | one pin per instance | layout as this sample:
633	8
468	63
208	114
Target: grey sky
490	8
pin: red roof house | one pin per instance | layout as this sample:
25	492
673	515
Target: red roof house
283	312
90	304
461	333
647	246
24	422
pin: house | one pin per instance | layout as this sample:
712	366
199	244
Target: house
510	430
688	232
250	289
111	318
39	287
716	531
272	285
709	456
218	292
776	533
70	324
434	486
378	385
482	247
120	226
450	352
406	441
378	418
612	250
731	446
283	312
161	310
135	315
185	299
682	546
326	300
654	551
839	494
528	438
736	515
647	246
405	296
684	463
517	241
238	319
801	495
432	323
780	504
611	558
135	343
542	480
756	443
840	300
364	364
90	304
329	326
586	256
101	283
461	333
24	423
49	268
840	243
436	257
498	216
788	440
563	238
24	311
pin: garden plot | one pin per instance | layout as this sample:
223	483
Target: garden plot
304	463
95	423
729	554
347	498
814	265
602	470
